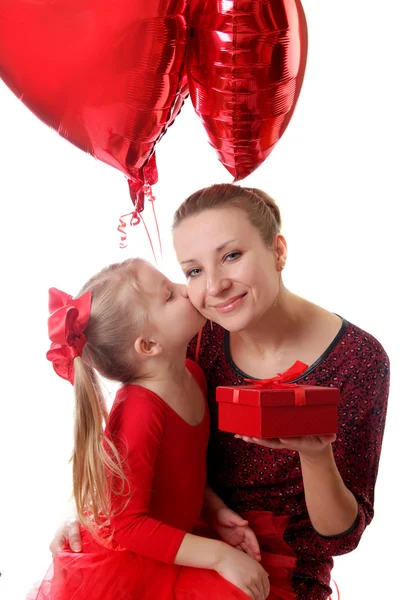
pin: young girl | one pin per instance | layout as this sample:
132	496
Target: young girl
139	486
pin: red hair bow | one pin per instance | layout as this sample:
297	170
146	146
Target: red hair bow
67	322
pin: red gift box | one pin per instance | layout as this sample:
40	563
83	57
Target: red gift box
273	408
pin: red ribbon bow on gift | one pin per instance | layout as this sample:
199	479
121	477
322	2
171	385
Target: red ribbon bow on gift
67	322
280	381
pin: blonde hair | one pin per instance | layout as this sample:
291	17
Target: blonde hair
261	210
117	317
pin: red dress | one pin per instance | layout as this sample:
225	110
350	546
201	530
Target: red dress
166	466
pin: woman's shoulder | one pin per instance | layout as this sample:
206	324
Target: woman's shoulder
354	355
360	343
207	344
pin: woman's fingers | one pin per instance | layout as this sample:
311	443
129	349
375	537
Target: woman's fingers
252	542
250	551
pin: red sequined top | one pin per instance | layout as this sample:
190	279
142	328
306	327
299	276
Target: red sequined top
248	476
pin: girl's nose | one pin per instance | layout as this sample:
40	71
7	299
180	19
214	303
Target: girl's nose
182	290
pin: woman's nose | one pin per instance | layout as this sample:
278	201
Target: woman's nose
216	285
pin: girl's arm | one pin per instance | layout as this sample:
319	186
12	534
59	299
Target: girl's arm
233	565
138	424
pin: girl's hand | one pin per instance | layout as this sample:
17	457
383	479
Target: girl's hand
244	572
307	445
234	530
69	531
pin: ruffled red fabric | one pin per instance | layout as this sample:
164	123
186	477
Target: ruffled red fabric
99	573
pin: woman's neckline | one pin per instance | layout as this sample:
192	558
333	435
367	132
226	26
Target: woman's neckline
311	368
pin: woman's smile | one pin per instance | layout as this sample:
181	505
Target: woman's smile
231	304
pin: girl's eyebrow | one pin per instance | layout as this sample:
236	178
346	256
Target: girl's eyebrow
163	283
218	249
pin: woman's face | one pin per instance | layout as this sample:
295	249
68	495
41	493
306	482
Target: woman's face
233	278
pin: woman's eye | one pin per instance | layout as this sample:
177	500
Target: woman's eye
192	273
233	255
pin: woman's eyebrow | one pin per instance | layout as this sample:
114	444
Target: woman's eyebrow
218	249
222	246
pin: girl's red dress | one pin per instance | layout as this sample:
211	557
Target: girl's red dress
166	465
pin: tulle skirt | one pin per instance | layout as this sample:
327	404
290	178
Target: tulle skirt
99	573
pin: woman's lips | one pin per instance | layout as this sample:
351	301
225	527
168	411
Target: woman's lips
229	305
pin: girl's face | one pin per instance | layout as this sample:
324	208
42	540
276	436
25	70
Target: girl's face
233	278
172	317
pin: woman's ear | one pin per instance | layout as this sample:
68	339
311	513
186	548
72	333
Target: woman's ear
280	248
147	348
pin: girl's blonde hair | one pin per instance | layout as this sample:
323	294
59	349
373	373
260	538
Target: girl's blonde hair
117	318
261	210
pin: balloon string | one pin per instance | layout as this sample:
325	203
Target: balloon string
137	216
149	237
135	220
156	222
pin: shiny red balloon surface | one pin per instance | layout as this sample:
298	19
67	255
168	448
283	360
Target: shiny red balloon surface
245	67
108	76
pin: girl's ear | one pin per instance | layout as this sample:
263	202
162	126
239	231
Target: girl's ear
147	348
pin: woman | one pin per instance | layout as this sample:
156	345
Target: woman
228	242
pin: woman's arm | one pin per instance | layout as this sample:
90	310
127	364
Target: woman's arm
212	504
229	526
331	506
339	485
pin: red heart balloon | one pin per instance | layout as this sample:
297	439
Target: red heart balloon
245	67
107	76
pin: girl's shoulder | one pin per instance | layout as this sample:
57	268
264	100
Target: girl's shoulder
198	374
136	404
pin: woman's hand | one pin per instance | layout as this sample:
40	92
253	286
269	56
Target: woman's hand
68	531
244	572
234	530
307	445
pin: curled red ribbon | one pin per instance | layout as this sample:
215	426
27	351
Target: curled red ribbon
281	382
67	322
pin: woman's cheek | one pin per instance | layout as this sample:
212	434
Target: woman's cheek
194	295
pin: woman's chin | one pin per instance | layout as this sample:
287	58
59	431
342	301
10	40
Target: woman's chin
232	323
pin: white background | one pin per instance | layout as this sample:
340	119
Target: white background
334	177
